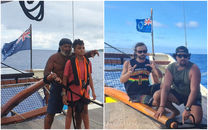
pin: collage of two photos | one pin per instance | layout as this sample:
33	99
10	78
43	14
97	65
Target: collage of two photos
103	64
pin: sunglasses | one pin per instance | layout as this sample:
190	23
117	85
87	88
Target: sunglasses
144	51
183	55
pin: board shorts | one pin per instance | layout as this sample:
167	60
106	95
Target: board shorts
183	99
55	103
145	97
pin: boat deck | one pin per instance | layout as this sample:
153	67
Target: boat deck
120	116
95	117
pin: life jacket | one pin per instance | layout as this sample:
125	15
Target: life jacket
77	81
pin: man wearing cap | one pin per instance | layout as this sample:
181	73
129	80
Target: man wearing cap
181	85
56	64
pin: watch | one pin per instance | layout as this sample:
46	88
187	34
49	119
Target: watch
187	108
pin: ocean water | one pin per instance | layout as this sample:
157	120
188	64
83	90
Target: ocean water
21	61
201	61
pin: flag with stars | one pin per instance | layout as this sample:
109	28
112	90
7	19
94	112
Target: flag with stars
144	25
22	43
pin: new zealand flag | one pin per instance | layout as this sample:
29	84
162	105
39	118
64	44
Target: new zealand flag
22	43
144	25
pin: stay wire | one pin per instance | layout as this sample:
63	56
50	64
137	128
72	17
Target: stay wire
117	49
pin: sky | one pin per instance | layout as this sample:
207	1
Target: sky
56	24
168	25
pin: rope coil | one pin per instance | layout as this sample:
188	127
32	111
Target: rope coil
28	12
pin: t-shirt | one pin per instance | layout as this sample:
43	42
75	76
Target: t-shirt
69	73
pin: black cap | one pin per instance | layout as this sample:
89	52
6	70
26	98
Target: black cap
181	49
65	41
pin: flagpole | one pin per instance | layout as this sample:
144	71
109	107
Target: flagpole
152	36
30	47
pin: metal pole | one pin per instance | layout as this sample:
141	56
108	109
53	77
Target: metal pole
152	36
73	18
30	47
184	25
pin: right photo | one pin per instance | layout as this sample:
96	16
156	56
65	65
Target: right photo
155	64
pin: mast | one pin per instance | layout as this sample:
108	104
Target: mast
31	47
73	18
184	25
152	36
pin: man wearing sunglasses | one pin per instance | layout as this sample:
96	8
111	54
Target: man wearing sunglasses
181	85
135	76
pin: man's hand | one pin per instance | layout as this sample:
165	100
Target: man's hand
159	112
185	115
53	76
64	99
93	53
152	65
131	69
94	96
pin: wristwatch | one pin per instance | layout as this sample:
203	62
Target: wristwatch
187	108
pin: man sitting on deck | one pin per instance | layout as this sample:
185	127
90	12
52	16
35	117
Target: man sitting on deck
135	76
181	85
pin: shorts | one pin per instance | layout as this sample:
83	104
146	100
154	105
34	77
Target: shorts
79	104
183	99
84	101
145	97
55	103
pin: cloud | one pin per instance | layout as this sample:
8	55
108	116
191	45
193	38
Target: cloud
193	24
179	24
56	24
190	24
158	24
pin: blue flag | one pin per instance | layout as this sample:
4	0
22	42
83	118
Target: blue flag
22	43
144	25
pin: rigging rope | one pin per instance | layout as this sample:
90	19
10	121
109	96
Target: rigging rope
27	12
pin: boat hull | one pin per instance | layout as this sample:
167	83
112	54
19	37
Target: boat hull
123	97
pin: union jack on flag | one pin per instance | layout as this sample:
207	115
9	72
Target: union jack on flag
25	35
144	25
22	43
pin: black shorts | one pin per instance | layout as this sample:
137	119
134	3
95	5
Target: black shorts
183	99
146	95
79	104
55	103
84	101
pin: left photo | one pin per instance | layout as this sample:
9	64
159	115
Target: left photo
52	64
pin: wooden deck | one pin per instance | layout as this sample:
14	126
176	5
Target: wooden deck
121	116
95	117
